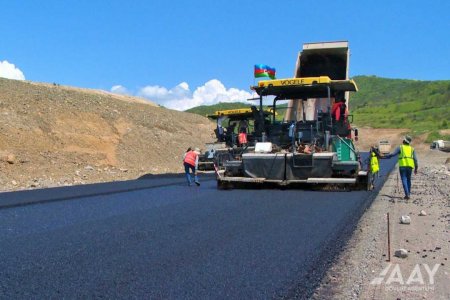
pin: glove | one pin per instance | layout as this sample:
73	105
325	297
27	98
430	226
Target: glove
415	171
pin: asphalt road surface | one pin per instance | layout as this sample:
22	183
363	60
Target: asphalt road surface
174	241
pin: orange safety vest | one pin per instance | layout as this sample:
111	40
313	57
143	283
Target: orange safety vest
190	158
242	138
339	111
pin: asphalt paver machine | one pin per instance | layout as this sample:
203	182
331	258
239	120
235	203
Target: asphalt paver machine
318	152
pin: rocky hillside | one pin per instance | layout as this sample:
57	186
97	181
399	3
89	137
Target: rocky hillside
52	135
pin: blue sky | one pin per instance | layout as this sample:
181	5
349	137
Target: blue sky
186	53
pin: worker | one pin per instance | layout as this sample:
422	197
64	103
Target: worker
242	138
188	149
407	161
339	114
190	163
220	133
339	110
231	136
374	165
259	124
243	125
291	135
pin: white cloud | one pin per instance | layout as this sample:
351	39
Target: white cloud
118	89
154	92
162	95
8	70
181	97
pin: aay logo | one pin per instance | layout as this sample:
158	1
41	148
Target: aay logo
421	277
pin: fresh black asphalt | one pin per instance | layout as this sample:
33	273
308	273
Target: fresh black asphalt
175	242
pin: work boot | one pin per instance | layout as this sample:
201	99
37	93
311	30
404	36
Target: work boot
406	197
196	181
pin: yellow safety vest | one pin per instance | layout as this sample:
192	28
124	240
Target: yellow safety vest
374	166
405	158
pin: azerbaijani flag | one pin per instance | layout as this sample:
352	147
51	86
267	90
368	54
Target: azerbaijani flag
264	71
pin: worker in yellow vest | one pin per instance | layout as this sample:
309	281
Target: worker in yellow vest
190	162
407	162
374	165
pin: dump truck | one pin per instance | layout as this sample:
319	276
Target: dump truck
227	146
441	145
309	146
319	59
384	147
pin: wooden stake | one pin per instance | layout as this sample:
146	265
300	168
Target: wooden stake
389	239
398	189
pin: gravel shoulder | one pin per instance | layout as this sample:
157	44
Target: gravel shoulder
358	272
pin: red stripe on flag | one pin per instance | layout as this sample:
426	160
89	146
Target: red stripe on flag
259	71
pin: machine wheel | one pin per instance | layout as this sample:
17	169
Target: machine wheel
364	182
223	185
220	185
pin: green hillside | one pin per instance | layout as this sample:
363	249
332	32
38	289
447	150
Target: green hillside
421	106
210	109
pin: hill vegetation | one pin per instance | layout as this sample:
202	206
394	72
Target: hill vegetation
420	106
204	110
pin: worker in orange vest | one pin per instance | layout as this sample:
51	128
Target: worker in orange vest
339	110
190	162
242	138
339	113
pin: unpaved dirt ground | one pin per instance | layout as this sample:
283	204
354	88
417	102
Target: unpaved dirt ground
52	135
358	272
371	136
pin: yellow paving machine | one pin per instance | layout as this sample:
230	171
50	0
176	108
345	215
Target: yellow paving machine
314	143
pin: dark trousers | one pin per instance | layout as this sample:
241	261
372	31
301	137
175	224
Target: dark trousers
405	175
374	177
188	167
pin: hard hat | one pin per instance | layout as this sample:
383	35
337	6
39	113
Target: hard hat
407	139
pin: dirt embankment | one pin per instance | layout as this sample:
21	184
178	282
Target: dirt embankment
371	136
53	135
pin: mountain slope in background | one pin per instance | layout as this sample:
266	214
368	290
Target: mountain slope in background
52	135
420	106
204	110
